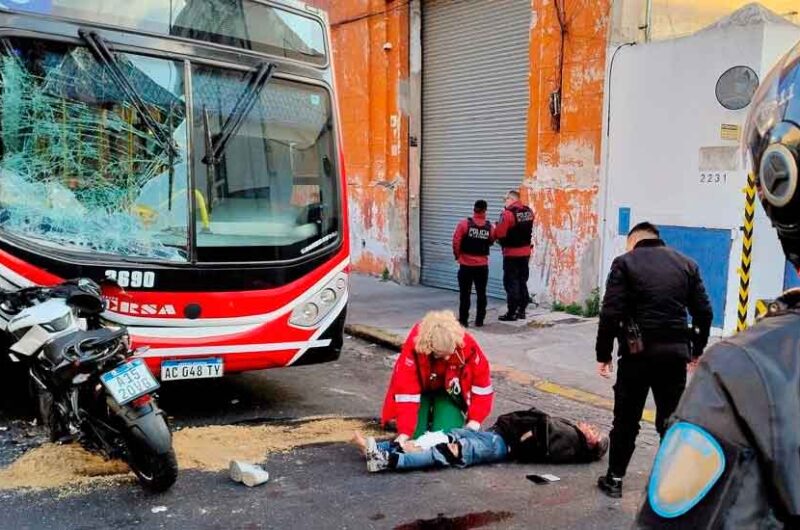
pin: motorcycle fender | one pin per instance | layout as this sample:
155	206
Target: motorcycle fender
148	426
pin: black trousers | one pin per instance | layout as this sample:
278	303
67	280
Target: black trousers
636	375
467	276
515	282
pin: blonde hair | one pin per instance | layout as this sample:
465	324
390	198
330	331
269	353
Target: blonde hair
439	331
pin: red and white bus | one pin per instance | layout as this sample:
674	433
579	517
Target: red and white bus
190	151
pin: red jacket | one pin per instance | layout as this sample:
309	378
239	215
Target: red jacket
507	220
467	369
462	228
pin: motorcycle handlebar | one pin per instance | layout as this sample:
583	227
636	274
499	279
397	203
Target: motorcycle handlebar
22	298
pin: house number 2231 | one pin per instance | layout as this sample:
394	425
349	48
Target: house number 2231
713	178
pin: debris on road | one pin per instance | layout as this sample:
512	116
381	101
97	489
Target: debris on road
212	448
249	474
158	509
51	466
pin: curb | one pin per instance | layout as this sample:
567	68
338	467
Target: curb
395	342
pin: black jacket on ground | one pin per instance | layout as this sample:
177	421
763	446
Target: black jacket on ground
654	286
535	436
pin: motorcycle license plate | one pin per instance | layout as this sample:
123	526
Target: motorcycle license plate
129	381
191	369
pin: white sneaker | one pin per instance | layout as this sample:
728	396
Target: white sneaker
372	447
378	461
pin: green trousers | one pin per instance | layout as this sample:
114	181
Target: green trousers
438	412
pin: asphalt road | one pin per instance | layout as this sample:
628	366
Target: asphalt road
327	486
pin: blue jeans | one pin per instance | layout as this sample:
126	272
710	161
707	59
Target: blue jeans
481	447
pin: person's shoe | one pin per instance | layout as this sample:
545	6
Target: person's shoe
377	461
521	315
464	324
610	485
372	447
479	323
508	317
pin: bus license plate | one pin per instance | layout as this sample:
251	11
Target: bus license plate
192	369
129	381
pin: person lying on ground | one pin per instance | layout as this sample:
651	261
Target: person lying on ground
440	381
525	436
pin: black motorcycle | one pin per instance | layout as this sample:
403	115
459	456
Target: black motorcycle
89	386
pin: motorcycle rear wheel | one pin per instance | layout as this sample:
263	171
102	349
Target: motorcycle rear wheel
156	472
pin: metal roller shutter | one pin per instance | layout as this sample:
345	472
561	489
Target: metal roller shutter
474	113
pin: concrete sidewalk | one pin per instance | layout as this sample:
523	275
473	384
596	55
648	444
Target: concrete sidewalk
553	352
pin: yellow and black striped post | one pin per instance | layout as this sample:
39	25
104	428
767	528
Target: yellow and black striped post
747	252
762	307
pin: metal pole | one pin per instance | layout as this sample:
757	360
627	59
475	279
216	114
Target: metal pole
747	253
648	20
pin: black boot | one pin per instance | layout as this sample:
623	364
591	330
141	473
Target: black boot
521	315
508	317
479	323
610	485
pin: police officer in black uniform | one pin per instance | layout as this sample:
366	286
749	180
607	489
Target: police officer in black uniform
472	241
649	291
731	457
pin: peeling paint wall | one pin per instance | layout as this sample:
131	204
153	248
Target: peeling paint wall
563	167
371	57
370	51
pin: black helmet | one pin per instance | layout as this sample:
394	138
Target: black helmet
772	149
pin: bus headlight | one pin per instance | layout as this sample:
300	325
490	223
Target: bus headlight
310	312
317	307
327	296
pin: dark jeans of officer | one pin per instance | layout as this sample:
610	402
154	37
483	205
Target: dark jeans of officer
515	281
467	276
665	374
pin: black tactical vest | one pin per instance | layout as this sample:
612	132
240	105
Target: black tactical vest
476	241
521	234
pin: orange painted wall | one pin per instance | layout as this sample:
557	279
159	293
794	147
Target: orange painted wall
562	175
370	51
563	168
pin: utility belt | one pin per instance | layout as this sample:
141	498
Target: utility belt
637	339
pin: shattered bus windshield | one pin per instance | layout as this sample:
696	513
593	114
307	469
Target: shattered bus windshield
86	165
273	194
79	168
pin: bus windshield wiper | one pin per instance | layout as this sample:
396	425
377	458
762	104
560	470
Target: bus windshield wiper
258	80
103	55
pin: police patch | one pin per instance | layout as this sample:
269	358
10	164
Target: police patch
688	464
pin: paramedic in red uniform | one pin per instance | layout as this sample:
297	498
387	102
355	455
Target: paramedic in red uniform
471	243
515	234
441	380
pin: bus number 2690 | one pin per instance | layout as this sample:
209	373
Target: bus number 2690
134	279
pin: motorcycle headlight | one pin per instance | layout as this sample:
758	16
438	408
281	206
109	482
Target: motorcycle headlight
312	311
59	324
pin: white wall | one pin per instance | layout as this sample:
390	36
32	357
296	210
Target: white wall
664	116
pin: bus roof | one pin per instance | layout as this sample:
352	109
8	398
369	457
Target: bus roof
283	29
